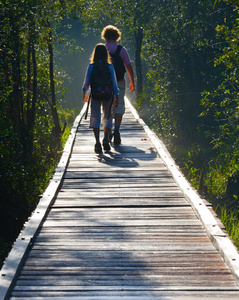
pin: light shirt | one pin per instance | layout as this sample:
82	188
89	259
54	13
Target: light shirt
123	52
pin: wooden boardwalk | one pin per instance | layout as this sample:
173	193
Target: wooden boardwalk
122	225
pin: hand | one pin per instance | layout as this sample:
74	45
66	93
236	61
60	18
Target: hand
116	101
130	72
131	87
86	98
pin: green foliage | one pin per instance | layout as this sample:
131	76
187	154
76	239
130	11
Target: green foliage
230	220
21	185
4	249
175	49
180	50
67	116
216	180
193	166
222	106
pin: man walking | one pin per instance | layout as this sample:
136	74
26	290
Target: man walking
121	62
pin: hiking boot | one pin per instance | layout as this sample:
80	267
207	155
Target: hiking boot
98	148
106	144
117	139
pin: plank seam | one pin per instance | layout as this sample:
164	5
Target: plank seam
219	239
22	244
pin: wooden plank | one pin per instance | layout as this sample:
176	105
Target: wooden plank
67	185
118	169
123	223
83	258
130	296
116	174
122	202
144	165
160	231
89	148
78	287
120	193
141	155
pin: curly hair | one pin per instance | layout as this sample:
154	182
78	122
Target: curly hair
111	33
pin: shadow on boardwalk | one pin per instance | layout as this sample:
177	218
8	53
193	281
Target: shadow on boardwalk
126	156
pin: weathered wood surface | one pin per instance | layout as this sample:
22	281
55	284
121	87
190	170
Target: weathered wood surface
122	228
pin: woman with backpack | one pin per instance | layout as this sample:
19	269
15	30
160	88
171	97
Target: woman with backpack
100	81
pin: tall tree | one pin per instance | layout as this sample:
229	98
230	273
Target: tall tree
56	128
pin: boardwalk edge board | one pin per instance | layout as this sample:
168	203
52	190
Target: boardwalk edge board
20	248
219	239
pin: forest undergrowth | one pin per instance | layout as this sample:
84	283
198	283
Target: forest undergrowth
34	181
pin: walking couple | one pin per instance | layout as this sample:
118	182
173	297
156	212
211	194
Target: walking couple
101	59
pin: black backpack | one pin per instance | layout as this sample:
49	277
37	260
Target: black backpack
101	82
118	63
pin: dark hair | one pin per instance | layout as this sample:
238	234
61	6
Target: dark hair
100	53
111	33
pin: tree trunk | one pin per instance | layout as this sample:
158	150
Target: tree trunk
17	95
138	41
57	129
31	94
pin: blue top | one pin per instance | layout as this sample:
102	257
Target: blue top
86	85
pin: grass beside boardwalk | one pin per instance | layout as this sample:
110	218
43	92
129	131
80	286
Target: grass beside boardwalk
230	220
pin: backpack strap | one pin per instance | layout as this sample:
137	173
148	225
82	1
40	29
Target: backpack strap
118	63
119	47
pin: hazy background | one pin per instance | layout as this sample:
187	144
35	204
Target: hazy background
75	63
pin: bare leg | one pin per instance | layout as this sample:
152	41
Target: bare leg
118	120
105	140
98	148
97	134
106	132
